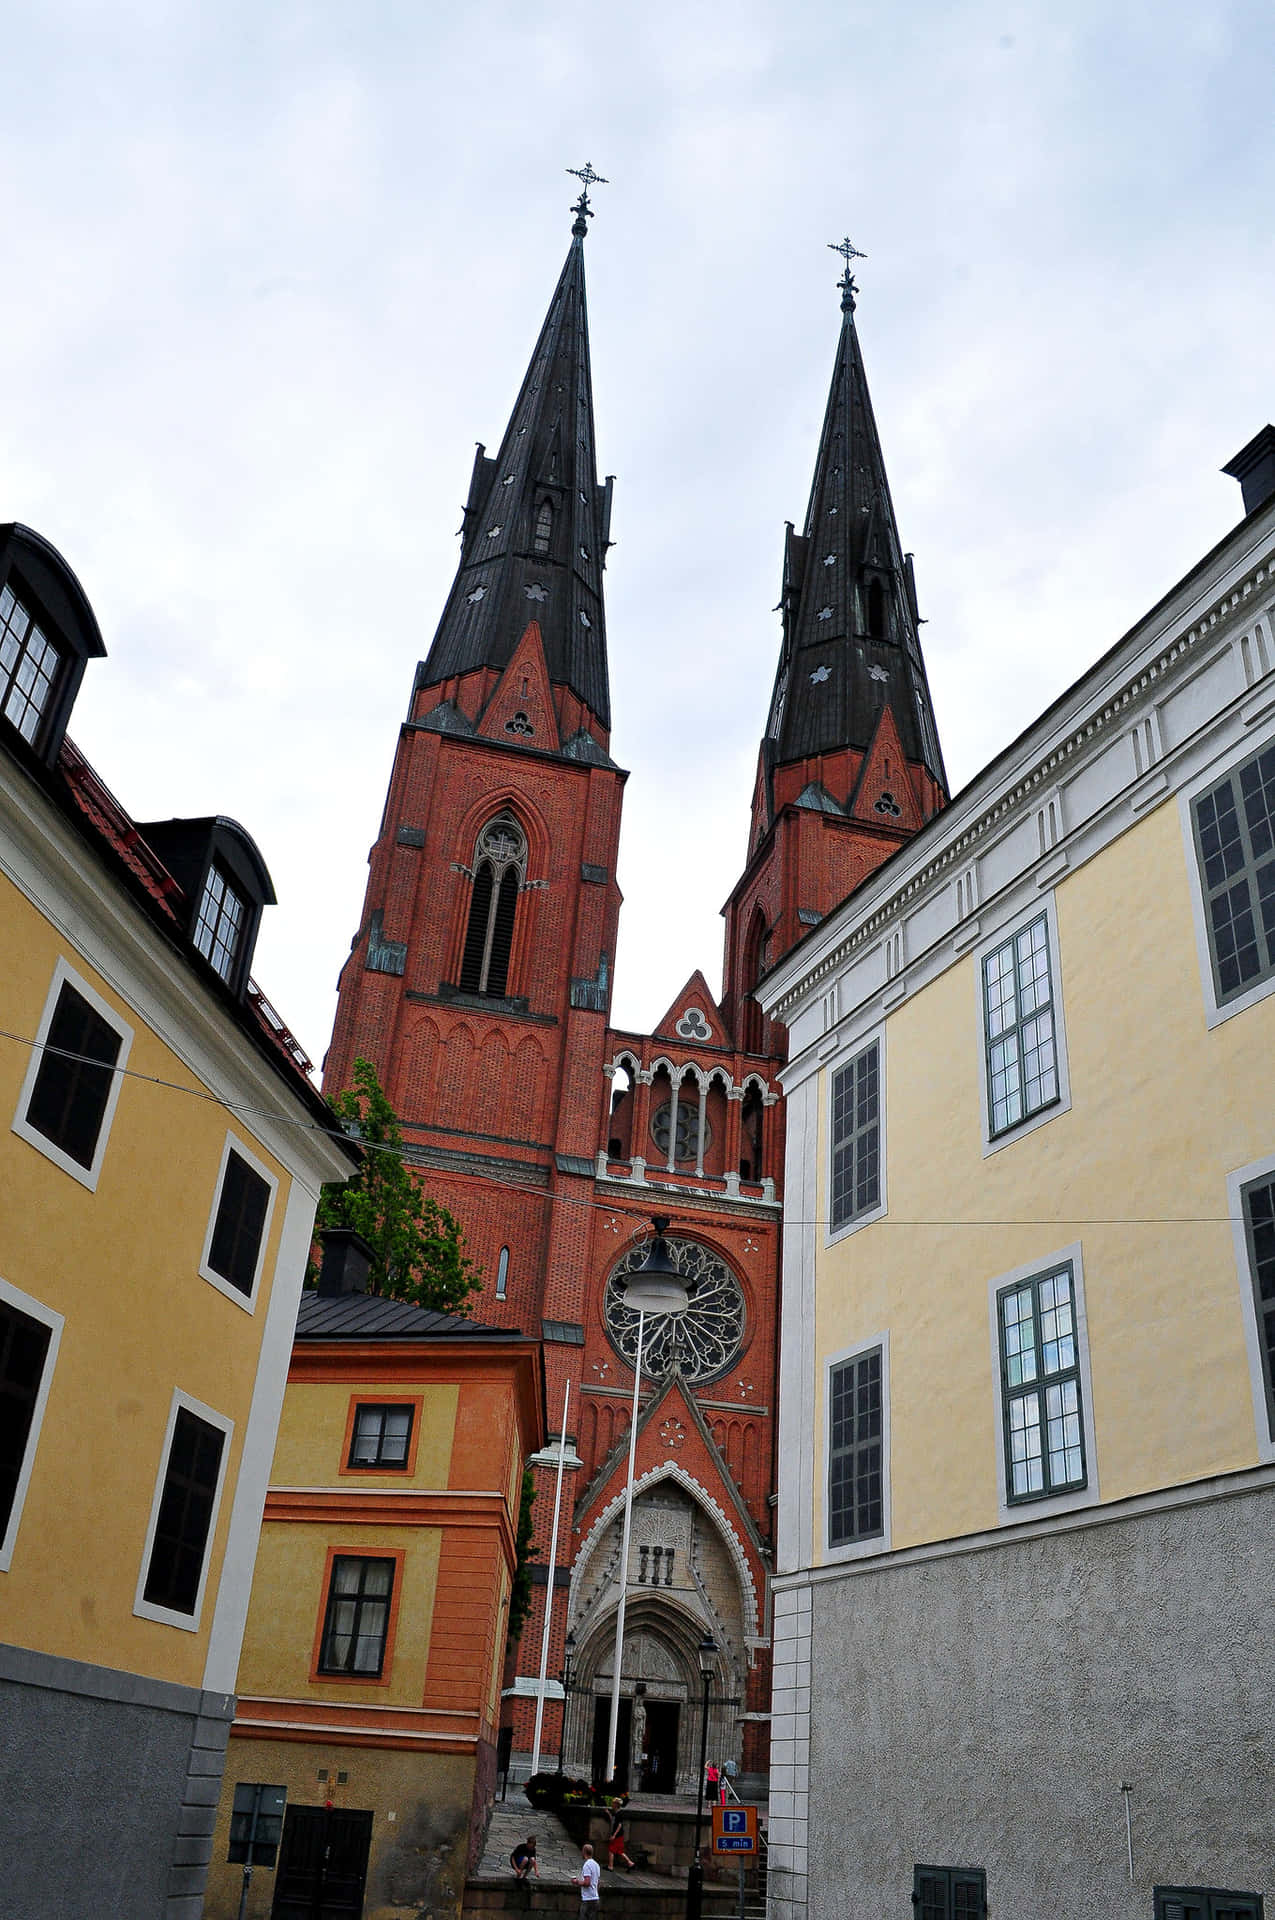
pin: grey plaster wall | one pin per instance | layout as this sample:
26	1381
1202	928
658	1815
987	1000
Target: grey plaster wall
981	1708
110	1791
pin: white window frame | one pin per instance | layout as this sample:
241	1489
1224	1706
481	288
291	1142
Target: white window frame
1019	1511
65	975
1044	907
1215	1013
878	1542
35	1310
146	1609
247	1301
1235	1185
843	1057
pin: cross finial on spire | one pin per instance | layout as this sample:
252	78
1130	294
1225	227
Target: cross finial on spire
846	282
582	210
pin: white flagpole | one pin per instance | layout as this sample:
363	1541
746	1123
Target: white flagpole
549	1590
624	1558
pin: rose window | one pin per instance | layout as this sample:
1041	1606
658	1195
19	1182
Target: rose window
688	1145
702	1342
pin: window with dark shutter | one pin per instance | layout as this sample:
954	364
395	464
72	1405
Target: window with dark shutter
949	1893
856	1450
240	1224
856	1138
184	1521
69	1098
1235	844
1206	1903
24	1348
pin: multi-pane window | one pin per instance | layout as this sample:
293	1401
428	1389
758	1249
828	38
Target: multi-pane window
1206	1903
1235	836
1040	1383
28	666
73	1084
542	533
949	1893
184	1522
239	1226
356	1624
24	1348
220	924
856	1138
382	1436
1018	1008
856	1444
1259	1229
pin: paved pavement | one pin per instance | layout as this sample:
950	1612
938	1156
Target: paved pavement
556	1852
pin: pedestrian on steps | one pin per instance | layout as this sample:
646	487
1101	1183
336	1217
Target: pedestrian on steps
523	1858
615	1844
587	1879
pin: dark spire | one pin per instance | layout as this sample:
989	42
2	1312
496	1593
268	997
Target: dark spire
851	629
537	521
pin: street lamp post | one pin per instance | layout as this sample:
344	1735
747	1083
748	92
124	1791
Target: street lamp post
568	1655
695	1877
654	1287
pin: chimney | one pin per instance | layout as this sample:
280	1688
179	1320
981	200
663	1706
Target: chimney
347	1258
1254	468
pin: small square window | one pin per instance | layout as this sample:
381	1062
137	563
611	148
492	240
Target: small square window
240	1219
185	1512
73	1080
29	1336
382	1436
29	665
856	1139
356	1623
219	929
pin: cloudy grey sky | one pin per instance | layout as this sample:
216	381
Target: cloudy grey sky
271	269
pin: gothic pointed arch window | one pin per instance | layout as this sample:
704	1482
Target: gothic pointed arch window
756	961
542	533
500	863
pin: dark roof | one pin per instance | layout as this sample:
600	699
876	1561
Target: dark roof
851	629
547	454
370	1316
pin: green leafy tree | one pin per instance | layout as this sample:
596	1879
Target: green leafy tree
417	1245
525	1553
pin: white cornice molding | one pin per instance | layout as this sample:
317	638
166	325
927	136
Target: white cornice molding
54	869
1172	647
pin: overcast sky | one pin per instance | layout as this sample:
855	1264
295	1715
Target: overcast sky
270	270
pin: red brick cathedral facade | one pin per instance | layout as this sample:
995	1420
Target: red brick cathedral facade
479	986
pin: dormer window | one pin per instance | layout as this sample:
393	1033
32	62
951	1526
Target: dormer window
219	927
543	529
29	665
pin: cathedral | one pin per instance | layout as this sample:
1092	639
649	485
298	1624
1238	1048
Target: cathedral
479	986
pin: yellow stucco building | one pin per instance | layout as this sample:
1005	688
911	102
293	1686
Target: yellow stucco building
161	1153
374	1650
1027	1411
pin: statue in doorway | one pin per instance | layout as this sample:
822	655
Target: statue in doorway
637	1743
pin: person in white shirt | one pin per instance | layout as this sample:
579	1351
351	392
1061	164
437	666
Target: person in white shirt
587	1878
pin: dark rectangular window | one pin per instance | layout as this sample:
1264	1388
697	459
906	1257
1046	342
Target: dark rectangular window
1040	1385
856	1138
1235	843
240	1223
28	666
856	1450
1206	1903
1259	1230
185	1514
357	1622
73	1085
220	923
382	1436
24	1347
949	1893
1018	1009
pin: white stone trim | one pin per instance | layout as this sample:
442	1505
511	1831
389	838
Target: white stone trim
144	1608
788	1825
1088	1495
36	1310
246	1301
796	1448
1235	1184
65	975
671	1471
